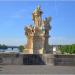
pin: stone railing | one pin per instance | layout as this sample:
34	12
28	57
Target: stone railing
36	59
11	58
64	59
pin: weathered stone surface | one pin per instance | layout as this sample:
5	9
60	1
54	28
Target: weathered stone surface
37	35
8	59
64	59
36	59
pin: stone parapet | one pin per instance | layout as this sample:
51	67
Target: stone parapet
36	59
11	58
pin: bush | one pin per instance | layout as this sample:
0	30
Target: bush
21	48
3	46
67	49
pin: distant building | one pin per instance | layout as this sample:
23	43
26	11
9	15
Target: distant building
55	49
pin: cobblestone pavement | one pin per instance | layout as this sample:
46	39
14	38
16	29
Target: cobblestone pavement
36	69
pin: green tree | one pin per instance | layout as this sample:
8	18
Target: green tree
21	48
70	49
67	49
61	48
0	46
73	48
4	47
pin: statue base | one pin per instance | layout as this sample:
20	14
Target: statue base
31	51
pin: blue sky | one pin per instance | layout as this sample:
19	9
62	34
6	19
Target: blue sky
15	15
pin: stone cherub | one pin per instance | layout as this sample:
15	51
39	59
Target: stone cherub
29	31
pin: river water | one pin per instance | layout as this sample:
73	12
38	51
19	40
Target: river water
10	50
